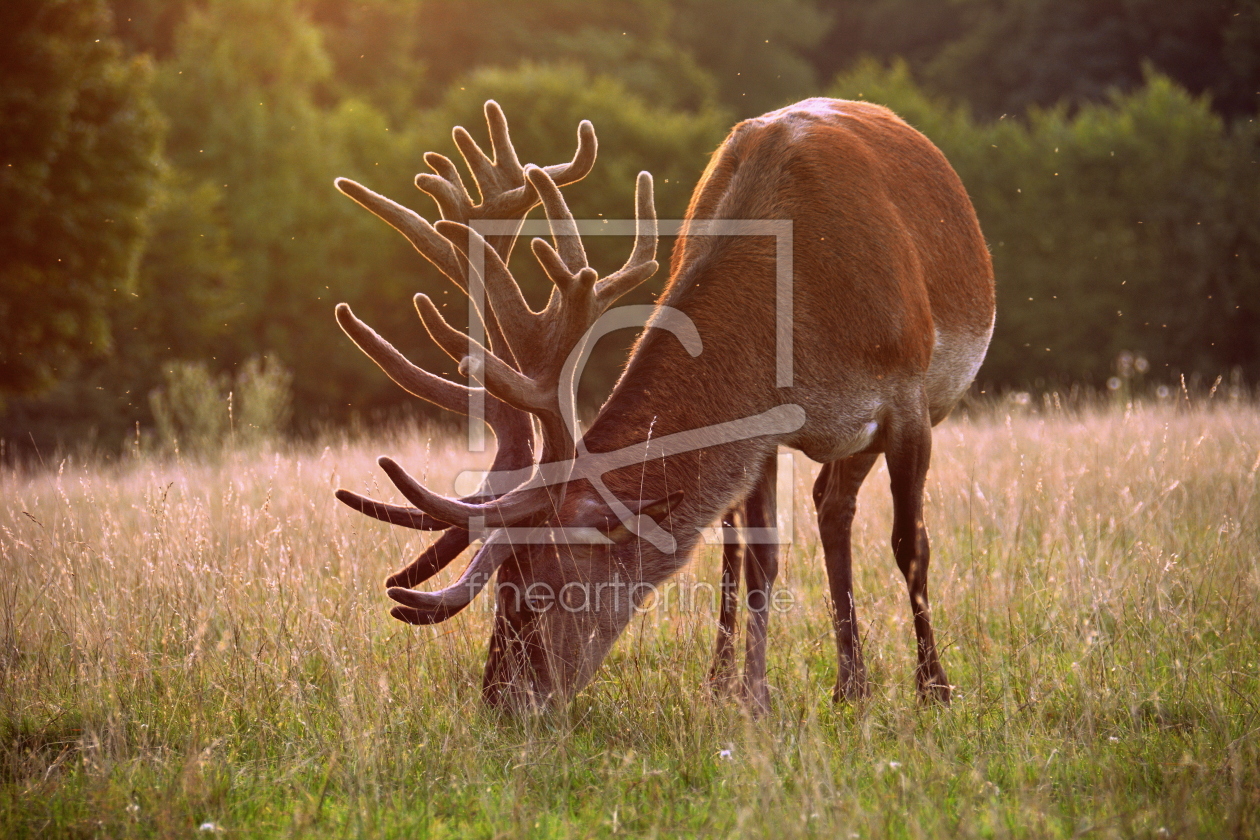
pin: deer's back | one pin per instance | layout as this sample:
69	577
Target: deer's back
892	285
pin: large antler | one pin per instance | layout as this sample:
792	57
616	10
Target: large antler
522	369
505	195
540	342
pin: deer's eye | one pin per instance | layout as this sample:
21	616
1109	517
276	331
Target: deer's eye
539	603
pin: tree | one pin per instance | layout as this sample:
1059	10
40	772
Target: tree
148	26
635	42
78	167
1001	56
756	50
374	46
914	31
248	118
1017	53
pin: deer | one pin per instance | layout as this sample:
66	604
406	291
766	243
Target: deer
877	334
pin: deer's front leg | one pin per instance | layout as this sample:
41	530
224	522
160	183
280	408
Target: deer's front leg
760	569
835	499
722	673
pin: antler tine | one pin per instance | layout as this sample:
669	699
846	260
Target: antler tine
506	167
414	380
432	246
510	509
432	560
511	428
515	318
437	249
559	218
583	159
434	607
503	380
393	514
641	264
498	180
445	187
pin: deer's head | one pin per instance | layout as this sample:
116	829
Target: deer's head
561	600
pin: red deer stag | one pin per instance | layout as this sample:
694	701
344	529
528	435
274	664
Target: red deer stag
868	341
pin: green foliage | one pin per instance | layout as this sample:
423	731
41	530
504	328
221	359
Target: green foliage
1003	56
374	46
188	289
182	306
663	50
265	399
631	41
249	121
1147	208
200	412
148	26
1125	226
191	410
1019	53
913	30
758	60
78	166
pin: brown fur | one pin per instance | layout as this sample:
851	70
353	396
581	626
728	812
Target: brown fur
892	308
887	253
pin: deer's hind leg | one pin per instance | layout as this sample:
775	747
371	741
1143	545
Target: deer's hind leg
908	451
835	499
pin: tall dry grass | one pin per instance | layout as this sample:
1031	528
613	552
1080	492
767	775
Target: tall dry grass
204	645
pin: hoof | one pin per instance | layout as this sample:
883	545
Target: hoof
852	691
936	693
756	699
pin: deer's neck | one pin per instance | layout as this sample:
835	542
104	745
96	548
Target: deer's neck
666	395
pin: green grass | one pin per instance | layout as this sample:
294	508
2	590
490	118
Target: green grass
190	644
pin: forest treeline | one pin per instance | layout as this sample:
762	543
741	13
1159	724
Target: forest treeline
167	213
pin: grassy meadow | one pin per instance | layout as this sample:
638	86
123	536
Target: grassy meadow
202	647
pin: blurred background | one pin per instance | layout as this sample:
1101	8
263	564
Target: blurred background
171	245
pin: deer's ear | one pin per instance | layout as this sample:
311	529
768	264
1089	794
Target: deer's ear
657	510
660	508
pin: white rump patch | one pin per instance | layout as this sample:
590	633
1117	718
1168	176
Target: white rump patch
956	359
